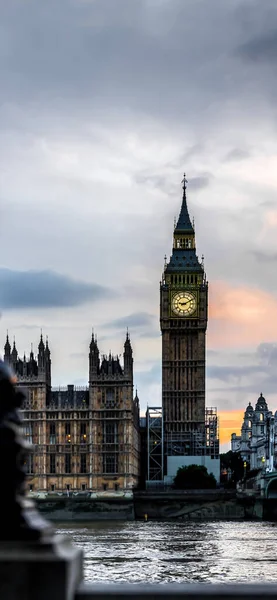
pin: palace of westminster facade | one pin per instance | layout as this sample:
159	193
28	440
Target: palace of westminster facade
83	439
89	439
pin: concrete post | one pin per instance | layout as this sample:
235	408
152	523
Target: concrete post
40	570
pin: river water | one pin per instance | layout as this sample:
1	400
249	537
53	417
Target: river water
161	552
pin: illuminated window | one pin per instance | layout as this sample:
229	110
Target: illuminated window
261	417
28	432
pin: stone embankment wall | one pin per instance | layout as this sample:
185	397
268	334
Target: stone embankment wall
86	509
192	506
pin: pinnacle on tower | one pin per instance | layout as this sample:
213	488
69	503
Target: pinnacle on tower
7	347
93	343
41	346
14	351
47	351
184	223
127	341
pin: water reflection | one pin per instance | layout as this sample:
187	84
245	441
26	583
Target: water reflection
161	552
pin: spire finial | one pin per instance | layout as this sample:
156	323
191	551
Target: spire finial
127	334
184	182
184	222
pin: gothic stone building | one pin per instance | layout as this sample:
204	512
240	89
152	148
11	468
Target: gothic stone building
83	439
257	443
183	318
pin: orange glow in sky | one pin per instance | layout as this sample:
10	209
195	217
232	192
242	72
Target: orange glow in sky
230	421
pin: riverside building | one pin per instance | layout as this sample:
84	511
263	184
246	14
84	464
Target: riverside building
257	443
83	438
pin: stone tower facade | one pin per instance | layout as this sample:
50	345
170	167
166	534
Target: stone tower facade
34	376
183	319
115	420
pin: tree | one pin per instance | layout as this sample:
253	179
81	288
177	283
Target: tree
194	477
232	462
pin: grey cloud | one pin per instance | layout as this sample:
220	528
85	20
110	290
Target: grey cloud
157	181
150	377
264	256
198	183
237	154
158	59
166	185
45	289
266	386
229	373
134	320
267	353
254	378
263	48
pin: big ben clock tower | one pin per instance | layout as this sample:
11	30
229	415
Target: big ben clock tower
183	318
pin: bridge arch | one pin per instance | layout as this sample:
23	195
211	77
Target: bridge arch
271	489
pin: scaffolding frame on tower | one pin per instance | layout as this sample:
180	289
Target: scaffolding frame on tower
155	443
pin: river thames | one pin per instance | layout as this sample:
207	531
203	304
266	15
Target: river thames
162	552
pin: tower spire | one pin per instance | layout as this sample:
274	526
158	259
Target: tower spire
184	223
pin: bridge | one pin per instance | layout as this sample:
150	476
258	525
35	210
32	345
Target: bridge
263	485
270	485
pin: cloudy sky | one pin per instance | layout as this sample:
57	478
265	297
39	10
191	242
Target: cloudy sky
104	104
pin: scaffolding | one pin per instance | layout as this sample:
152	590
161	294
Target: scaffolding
204	441
155	449
212	432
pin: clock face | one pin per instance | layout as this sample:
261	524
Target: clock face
184	304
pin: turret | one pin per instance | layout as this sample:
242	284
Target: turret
128	357
24	373
41	358
93	358
7	350
14	356
47	355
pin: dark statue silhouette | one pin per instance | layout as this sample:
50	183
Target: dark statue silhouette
19	518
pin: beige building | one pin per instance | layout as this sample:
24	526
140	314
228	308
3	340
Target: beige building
83	438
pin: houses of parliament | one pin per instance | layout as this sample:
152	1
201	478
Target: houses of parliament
90	438
83	439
